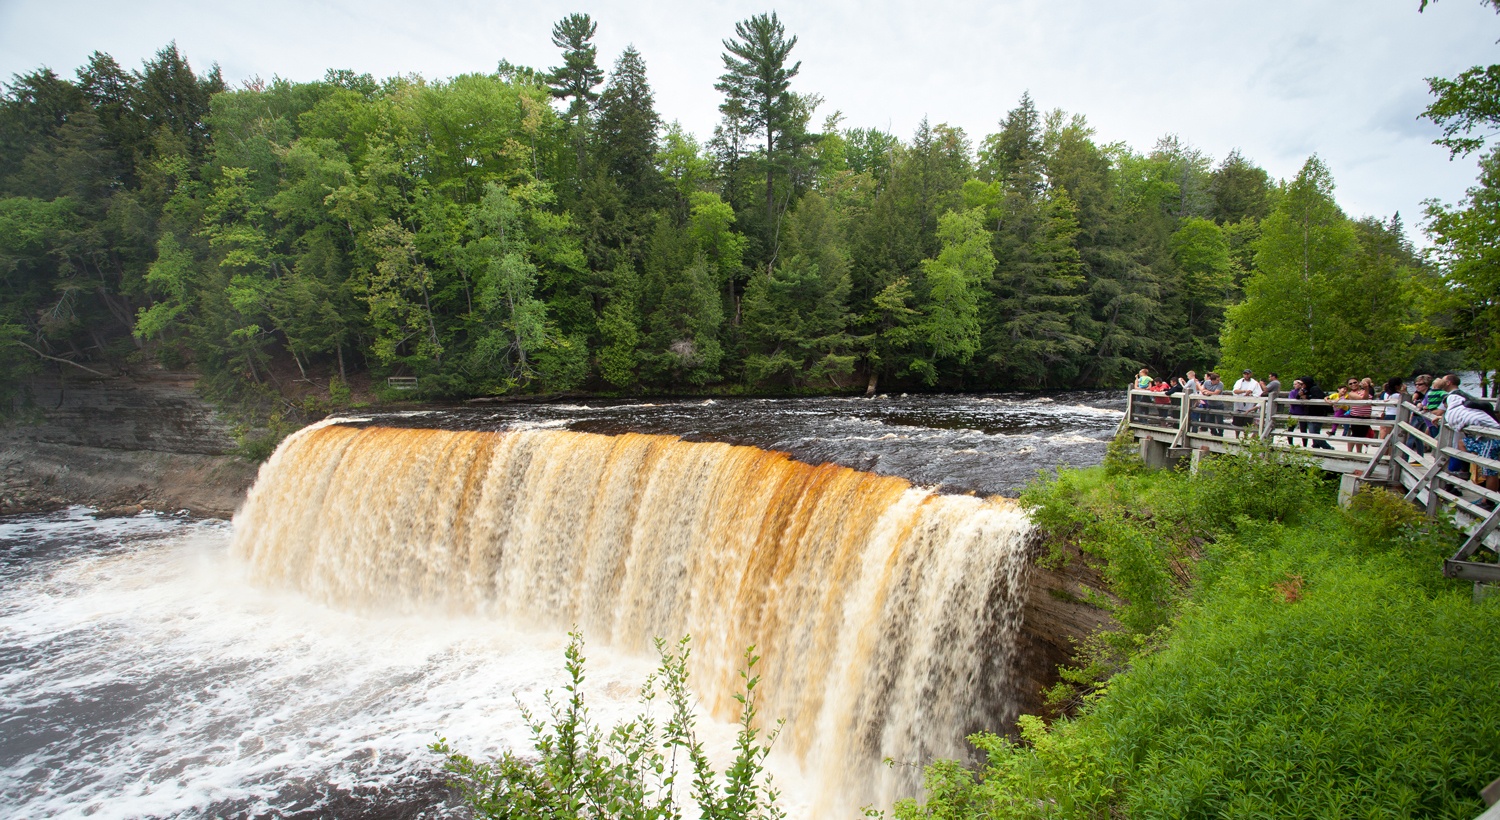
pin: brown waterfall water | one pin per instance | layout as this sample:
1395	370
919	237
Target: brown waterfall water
884	613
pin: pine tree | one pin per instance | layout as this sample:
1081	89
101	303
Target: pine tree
577	77
756	84
626	131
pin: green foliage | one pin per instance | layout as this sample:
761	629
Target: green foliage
1383	513
1465	301
1258	483
1122	456
471	231
633	770
1312	667
1321	280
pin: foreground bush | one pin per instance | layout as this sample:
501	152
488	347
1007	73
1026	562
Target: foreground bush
1311	663
631	773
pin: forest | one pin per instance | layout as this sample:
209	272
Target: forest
538	230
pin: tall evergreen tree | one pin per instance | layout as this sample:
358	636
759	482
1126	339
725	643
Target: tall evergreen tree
174	101
1318	302
756	84
1013	157
1239	189
626	132
579	74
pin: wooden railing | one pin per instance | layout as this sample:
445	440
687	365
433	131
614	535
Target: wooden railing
1402	448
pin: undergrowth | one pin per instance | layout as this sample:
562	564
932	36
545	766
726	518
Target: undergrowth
638	770
1274	657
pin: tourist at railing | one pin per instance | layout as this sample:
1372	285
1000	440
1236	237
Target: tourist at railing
1341	409
1143	380
1435	395
1244	411
1421	386
1453	397
1394	393
1161	387
1363	391
1296	395
1190	385
1464	417
1307	389
1271	385
1212	386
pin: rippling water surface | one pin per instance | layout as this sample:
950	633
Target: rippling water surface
989	444
142	674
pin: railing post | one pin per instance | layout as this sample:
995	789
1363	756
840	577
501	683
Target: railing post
1439	464
1403	416
1183	423
1268	414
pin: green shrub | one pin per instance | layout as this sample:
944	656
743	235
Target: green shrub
339	393
1123	456
1258	483
581	773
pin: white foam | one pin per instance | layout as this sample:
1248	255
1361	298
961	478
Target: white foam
549	424
240	691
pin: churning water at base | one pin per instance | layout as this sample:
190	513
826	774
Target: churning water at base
144	674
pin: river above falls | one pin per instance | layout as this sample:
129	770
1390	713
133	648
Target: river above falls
987	444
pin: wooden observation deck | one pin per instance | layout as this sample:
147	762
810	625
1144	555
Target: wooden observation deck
1407	458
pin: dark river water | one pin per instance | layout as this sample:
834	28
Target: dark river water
144	673
990	444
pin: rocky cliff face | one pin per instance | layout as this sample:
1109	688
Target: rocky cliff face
1055	616
144	441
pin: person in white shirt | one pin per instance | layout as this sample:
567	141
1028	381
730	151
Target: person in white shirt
1244	410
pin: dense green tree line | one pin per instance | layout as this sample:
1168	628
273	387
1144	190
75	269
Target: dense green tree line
544	230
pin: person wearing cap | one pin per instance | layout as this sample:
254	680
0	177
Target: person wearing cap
1420	385
1246	386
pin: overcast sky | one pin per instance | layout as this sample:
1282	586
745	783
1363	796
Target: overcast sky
1277	79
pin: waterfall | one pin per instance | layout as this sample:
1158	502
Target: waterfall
885	614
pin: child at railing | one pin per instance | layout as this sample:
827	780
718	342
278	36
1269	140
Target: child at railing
1395	394
1363	391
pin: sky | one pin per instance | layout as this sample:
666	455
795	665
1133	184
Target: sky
1278	80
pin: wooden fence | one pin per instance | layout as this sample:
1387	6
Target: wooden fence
1398	446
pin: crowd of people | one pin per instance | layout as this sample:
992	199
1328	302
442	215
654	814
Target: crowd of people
1346	414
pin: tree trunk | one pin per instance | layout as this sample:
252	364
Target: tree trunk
873	383
770	189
